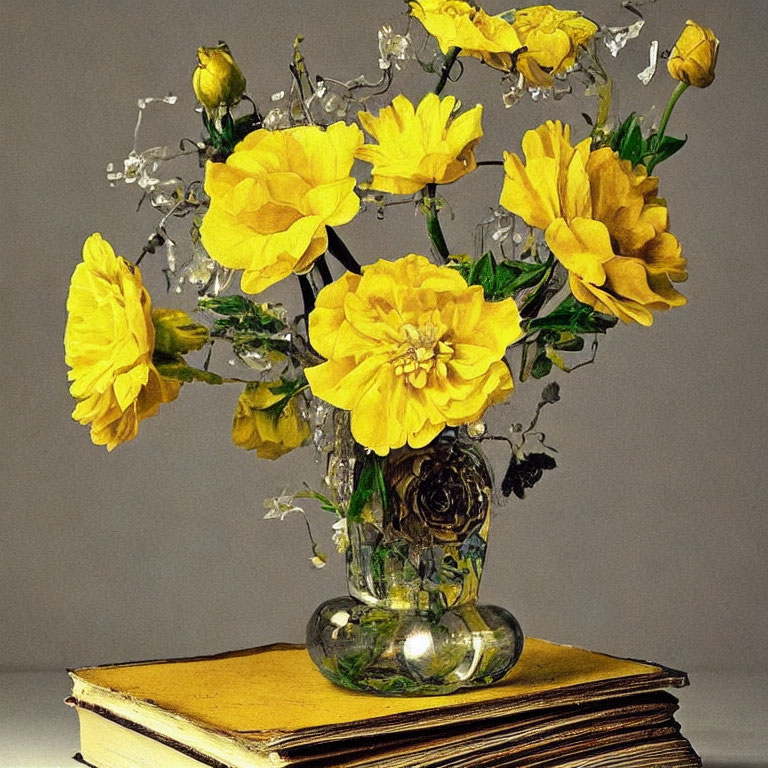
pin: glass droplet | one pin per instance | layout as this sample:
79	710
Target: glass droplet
332	103
616	38
476	429
540	94
276	119
647	74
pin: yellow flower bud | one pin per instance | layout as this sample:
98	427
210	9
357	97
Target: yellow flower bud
217	81
694	56
176	333
269	434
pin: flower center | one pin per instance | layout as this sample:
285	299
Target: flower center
421	353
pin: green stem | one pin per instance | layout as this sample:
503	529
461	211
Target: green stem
450	60
433	222
659	138
604	86
538	298
605	98
434	229
524	363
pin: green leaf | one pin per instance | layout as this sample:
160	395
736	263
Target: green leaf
628	140
571	316
622	133
325	503
542	366
556	359
669	146
247	326
225	305
241	314
633	147
371	482
483	272
513	276
176	368
569	342
503	279
289	386
618	136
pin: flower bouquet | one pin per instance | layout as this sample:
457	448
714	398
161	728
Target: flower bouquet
390	367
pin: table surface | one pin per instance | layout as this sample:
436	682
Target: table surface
723	714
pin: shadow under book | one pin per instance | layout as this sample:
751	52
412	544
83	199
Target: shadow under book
560	707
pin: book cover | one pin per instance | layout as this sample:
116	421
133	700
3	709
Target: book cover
269	706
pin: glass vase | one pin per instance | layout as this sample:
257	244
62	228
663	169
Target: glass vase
411	624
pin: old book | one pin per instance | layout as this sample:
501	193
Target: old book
267	707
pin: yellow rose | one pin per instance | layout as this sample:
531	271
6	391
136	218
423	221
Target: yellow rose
601	218
455	23
553	39
420	146
694	56
255	428
217	81
410	349
109	341
274	196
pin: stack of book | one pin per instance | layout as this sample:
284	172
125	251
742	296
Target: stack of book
560	707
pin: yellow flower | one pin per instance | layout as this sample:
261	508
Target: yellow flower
694	56
553	39
410	348
217	81
602	219
422	145
109	341
455	23
272	199
254	428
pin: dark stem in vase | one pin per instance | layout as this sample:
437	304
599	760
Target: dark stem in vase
307	295
323	271
338	249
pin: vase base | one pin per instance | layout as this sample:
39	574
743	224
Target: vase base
408	653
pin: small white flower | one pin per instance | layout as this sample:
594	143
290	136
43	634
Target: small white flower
339	619
340	535
615	38
281	506
647	74
394	48
318	561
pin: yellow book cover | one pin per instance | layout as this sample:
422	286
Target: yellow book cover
269	706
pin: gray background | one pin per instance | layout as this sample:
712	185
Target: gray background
648	541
